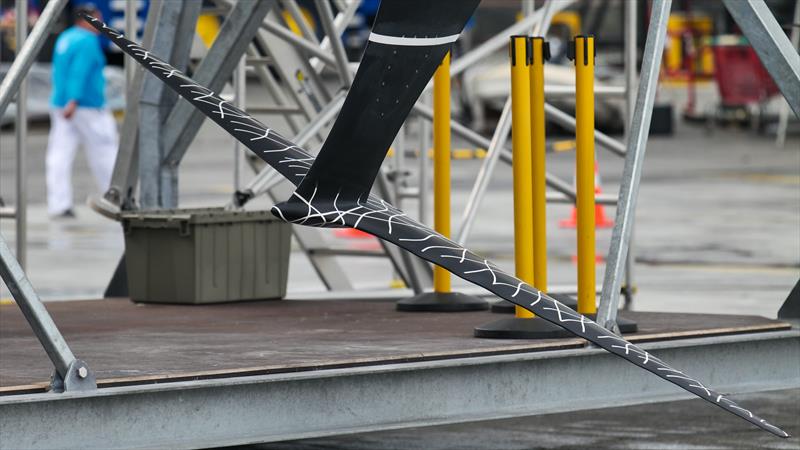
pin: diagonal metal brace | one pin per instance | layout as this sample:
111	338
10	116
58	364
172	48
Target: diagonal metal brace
771	44
70	374
634	160
238	29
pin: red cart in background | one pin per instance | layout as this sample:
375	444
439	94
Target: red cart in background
744	84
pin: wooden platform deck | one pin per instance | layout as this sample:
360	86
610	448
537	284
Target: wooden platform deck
127	343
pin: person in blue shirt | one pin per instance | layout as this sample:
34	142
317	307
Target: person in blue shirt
78	115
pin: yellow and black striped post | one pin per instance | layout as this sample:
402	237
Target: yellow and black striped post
584	53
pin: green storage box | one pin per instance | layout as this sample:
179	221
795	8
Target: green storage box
205	255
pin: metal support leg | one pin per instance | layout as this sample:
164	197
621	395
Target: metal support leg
341	21
298	42
772	46
27	53
267	178
637	143
326	17
238	29
275	91
500	39
21	138
495	148
125	176
300	20
475	138
131	27
630	104
70	374
422	176
172	40
783	113
240	91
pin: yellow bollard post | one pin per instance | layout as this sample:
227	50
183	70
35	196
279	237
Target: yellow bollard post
584	52
442	299
521	164
524	325
441	163
540	52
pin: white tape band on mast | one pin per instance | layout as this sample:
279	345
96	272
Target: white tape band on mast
411	41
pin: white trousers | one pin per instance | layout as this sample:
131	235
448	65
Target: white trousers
96	130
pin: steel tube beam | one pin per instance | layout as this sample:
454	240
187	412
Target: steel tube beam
495	148
634	159
498	141
422	175
475	138
237	411
21	141
238	29
131	12
564	91
783	112
300	20
158	184
297	41
326	17
268	177
240	92
565	120
771	44
275	91
27	54
274	109
34	311
125	176
341	21
500	40
629	49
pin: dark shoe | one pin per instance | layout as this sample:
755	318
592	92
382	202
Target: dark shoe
68	214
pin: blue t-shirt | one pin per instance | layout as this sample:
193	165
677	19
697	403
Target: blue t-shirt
78	63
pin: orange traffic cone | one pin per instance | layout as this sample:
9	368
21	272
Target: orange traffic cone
600	218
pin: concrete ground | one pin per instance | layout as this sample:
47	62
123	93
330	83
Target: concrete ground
717	232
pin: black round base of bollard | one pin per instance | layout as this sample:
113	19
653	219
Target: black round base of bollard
442	302
506	307
503	307
520	328
626	326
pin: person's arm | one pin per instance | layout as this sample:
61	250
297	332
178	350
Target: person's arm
69	109
80	68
